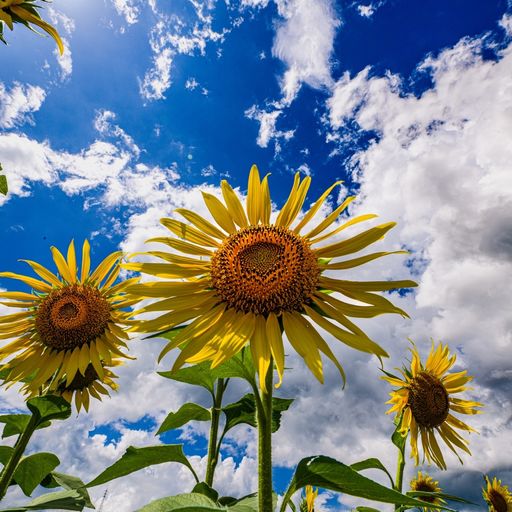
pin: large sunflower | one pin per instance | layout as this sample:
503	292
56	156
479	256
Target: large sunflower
69	327
497	496
424	404
245	280
425	483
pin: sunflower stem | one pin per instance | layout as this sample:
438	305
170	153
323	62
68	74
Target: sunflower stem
213	448
18	451
399	474
264	417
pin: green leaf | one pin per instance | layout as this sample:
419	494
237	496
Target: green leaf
33	469
239	366
61	500
442	495
68	482
367	509
398	439
244	411
139	458
372	464
186	413
197	375
204	489
4	188
15	424
5	454
192	502
330	474
49	407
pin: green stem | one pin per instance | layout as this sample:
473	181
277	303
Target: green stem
18	451
213	451
264	417
399	474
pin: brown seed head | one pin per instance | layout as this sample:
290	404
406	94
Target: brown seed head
498	502
265	269
80	381
72	316
428	400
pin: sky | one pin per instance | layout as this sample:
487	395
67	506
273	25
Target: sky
408	102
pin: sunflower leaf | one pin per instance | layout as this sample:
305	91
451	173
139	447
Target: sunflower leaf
15	424
244	412
138	458
49	407
397	438
198	375
322	471
204	489
68	482
191	502
183	415
32	470
4	187
372	463
60	500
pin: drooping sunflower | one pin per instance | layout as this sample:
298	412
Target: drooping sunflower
426	483
497	496
69	327
245	280
424	404
25	12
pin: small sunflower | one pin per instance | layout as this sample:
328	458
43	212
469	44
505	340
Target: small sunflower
25	12
308	503
68	327
424	402
497	496
425	483
245	280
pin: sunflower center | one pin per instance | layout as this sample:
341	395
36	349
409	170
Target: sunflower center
80	381
428	400
265	269
425	487
497	500
72	316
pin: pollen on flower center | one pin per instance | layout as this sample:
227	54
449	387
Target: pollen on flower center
498	501
429	400
71	316
264	269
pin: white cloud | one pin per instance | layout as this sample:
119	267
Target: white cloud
268	130
304	42
158	79
191	83
18	103
67	26
506	24
128	9
366	10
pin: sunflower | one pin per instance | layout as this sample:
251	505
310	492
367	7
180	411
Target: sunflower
25	12
425	483
424	404
308	503
69	328
497	496
245	280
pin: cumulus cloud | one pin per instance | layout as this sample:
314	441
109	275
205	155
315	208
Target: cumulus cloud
66	25
128	9
18	103
268	130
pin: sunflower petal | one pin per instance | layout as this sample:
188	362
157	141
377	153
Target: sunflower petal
189	233
40	286
260	350
44	273
219	213
104	267
71	260
330	218
233	204
275	340
202	224
86	261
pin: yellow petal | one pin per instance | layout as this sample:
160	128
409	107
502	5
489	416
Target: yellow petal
345	225
86	260
201	223
31	18
314	208
95	360
260	349
44	273
343	265
189	233
181	246
104	267
71	257
297	203
299	340
84	358
164	269
339	285
233	204
219	213
275	341
266	206
284	213
330	218
166	288
6	18
40	286
355	243
253	196
114	274
71	365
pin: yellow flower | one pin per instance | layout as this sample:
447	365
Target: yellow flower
245	280
67	325
25	11
497	496
425	483
425	403
310	498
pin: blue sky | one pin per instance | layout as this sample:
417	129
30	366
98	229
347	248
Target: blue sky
408	102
